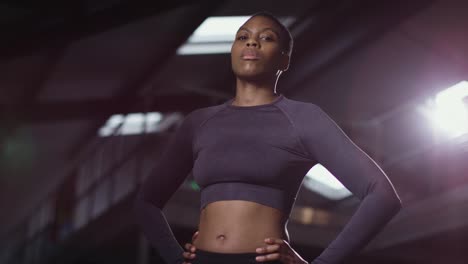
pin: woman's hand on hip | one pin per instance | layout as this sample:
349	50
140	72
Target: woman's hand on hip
190	249
279	249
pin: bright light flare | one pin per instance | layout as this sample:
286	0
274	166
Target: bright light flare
448	111
321	181
216	35
131	124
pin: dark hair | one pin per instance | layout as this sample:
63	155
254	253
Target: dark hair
286	36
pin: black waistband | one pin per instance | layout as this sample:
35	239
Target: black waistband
222	254
209	257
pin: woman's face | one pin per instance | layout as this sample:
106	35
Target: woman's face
256	53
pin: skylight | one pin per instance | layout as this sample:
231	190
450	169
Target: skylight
216	34
321	181
137	123
448	110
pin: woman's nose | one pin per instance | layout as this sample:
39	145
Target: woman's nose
252	43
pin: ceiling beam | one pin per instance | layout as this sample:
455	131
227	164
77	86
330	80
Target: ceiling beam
35	84
49	27
339	31
195	14
98	109
437	214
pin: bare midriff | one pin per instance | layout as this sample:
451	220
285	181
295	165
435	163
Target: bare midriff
237	226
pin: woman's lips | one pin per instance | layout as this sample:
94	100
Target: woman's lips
250	55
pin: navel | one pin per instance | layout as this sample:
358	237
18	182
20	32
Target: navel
221	237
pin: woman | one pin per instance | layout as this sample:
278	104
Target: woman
249	155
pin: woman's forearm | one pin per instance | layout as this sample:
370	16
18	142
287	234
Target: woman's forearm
374	212
156	229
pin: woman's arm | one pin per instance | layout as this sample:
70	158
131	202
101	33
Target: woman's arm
170	172
329	145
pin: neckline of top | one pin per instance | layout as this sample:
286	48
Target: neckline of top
277	99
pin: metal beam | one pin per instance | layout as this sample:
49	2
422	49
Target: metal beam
336	32
195	15
54	26
440	213
97	109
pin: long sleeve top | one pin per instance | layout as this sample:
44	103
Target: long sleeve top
261	153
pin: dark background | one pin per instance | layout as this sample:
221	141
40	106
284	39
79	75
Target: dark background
66	67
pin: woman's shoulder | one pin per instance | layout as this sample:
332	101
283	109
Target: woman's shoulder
199	115
300	108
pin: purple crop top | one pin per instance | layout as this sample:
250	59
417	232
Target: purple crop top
261	153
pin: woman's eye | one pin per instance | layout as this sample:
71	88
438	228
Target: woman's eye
267	38
242	37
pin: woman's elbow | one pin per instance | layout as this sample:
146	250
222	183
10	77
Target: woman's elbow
386	196
138	204
141	206
391	199
395	204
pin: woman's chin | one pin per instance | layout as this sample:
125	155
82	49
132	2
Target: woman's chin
252	76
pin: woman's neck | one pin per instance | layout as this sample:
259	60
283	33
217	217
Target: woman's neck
251	93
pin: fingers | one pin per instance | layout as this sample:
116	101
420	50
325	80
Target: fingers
269	257
271	251
189	254
190	247
276	249
268	249
272	240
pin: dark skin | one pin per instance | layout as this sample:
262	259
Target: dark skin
237	226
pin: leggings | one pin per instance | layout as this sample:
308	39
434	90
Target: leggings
208	257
